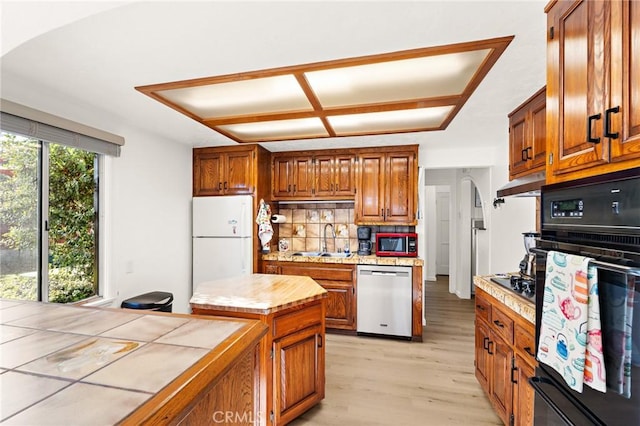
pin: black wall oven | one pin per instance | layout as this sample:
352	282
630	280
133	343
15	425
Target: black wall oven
598	218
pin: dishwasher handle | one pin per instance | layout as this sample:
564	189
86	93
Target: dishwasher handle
384	273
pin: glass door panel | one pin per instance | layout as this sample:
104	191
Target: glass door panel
20	167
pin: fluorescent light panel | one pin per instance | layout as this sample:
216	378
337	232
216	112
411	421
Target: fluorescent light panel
301	128
411	90
393	81
245	97
387	121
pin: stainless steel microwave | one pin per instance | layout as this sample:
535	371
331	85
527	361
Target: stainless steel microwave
397	244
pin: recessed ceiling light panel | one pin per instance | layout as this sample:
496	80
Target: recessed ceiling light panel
378	122
245	97
394	81
302	128
405	91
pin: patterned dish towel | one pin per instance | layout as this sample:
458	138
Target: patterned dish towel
570	333
265	230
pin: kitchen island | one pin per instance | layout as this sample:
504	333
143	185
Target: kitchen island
64	364
291	360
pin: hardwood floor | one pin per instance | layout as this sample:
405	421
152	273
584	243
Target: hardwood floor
374	381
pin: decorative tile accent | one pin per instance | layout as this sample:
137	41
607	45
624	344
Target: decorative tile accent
299	231
327	216
313	216
342	230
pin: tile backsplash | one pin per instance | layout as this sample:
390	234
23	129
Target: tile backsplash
305	226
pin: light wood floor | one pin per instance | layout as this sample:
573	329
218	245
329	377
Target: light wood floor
373	381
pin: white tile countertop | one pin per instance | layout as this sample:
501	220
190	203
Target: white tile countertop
62	364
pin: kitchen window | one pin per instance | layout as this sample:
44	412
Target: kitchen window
49	209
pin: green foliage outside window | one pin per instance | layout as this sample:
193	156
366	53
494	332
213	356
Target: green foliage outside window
71	215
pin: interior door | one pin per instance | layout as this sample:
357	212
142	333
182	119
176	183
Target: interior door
442	233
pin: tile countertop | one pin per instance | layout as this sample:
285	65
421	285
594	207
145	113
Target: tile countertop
62	364
525	308
355	259
256	293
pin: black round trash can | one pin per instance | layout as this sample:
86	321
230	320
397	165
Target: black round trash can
153	301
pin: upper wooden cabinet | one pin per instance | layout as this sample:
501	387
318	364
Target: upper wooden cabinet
593	87
223	171
527	136
313	175
387	186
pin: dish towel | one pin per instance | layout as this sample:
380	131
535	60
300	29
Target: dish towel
619	303
265	230
570	334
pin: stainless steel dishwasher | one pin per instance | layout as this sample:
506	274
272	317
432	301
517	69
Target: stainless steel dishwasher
384	300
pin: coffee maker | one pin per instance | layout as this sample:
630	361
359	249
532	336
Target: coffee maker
528	263
364	240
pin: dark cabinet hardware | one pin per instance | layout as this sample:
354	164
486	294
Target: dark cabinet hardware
526	153
590	121
485	343
219	186
607	122
320	341
514	369
225	186
523	155
489	348
498	323
294	187
528	350
289	188
481	308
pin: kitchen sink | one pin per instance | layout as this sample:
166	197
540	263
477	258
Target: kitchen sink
321	254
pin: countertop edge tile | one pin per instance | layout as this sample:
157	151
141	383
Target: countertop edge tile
356	259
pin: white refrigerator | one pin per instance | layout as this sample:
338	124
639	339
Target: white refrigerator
222	237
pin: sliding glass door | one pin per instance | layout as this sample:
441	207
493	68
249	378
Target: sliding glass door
48	221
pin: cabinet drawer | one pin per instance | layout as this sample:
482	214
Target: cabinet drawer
502	324
525	343
294	321
483	308
339	273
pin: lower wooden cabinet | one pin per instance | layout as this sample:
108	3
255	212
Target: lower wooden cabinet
504	359
338	279
301	383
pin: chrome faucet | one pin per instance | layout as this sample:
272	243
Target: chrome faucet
333	235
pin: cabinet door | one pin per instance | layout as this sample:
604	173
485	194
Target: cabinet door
238	173
483	361
340	309
537	155
625	81
523	394
400	188
344	175
577	83
207	173
303	176
518	139
324	176
500	384
370	199
298	373
282	176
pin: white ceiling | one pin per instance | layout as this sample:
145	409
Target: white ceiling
83	59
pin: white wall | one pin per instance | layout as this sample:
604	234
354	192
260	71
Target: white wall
149	235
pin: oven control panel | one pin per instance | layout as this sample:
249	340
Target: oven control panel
567	208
